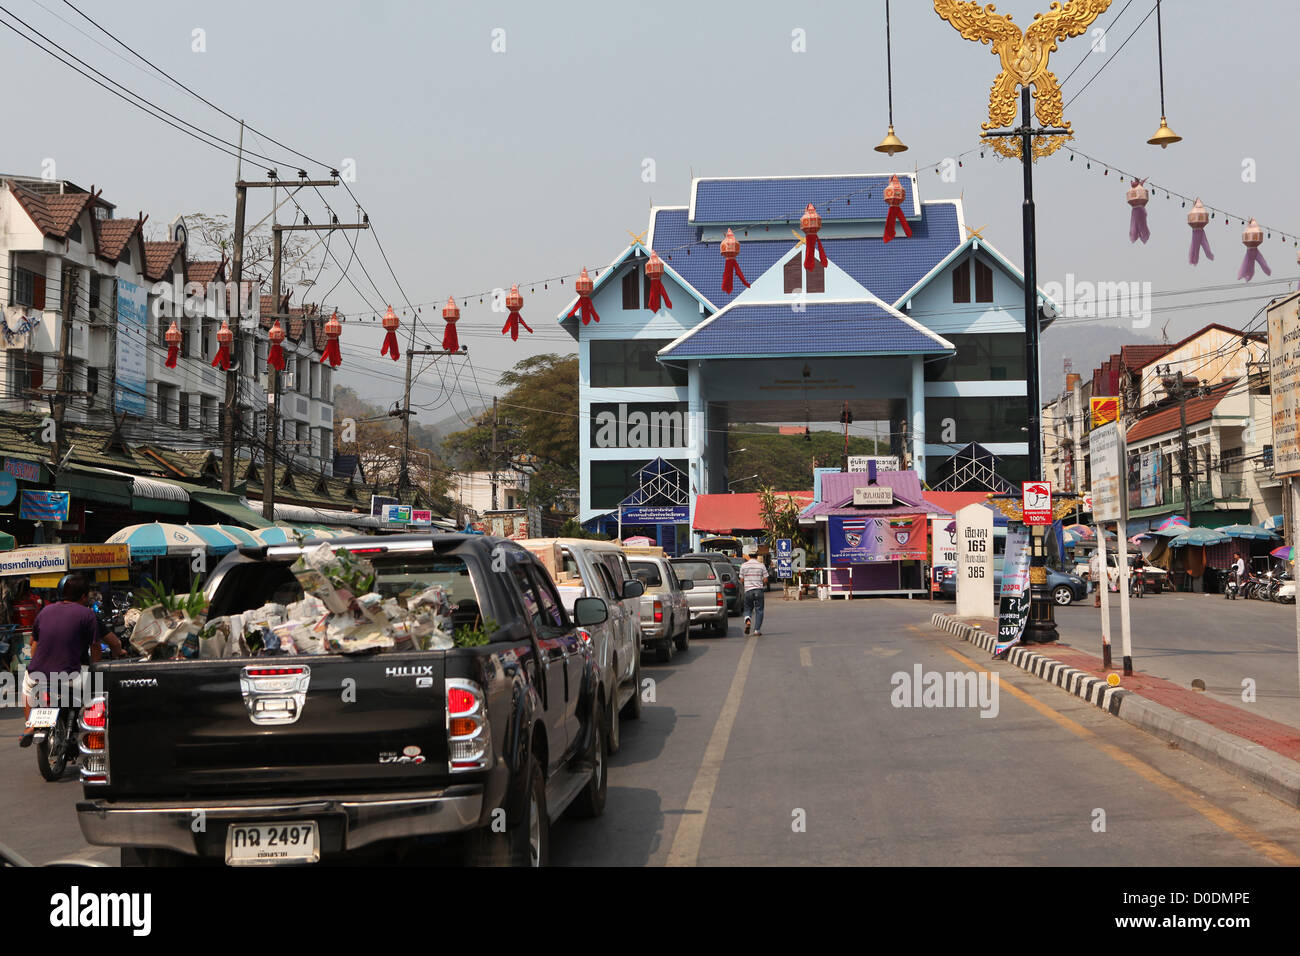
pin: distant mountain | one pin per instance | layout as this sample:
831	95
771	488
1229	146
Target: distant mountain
1086	345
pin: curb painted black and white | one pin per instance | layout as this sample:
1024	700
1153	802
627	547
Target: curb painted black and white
1275	774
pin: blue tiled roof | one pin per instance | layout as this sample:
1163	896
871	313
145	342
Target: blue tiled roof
734	201
887	269
823	328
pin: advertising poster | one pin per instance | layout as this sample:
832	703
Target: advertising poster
1106	500
865	540
1013	608
44	506
132	344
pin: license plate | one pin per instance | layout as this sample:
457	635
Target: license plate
269	844
43	717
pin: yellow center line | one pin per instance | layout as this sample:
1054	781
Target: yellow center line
685	850
1220	818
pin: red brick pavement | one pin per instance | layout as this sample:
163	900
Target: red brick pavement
1278	737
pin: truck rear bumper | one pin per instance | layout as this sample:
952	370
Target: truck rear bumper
357	820
711	614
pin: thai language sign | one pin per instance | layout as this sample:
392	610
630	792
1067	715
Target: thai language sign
1105	453
132	345
866	540
661	514
23	470
1284	372
34	560
98	556
44	506
1013	608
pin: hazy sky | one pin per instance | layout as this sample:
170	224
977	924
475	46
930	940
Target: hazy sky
483	168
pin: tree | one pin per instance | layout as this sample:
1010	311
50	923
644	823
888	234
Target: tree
538	430
780	517
375	436
212	237
786	462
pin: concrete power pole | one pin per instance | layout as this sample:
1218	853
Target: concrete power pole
236	277
496	420
1185	472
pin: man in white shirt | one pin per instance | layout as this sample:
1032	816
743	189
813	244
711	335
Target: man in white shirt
753	578
1094	572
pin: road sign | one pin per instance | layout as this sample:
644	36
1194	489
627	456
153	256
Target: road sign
1037	498
784	558
975	562
1106	456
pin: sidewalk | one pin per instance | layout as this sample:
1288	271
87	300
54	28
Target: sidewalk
1264	751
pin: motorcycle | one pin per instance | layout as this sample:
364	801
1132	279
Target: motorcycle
55	734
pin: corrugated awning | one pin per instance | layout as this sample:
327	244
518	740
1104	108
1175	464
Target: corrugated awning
232	506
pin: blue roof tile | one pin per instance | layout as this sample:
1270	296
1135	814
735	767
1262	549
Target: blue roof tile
823	328
887	269
731	202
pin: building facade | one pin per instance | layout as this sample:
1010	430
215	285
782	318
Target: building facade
925	332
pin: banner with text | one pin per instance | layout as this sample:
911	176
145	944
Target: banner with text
866	540
1013	609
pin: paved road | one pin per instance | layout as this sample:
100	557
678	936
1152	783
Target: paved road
1183	637
786	749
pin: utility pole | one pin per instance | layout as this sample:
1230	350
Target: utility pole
236	278
1182	453
496	420
404	475
68	297
273	384
846	419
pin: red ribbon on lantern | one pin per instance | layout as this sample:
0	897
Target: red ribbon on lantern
450	315
275	358
654	270
224	338
894	195
810	222
173	338
514	302
584	285
730	249
333	329
390	340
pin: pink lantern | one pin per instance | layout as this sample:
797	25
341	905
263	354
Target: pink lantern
1197	219
1251	237
1137	197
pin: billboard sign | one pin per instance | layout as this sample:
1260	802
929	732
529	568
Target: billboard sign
397	514
1284	374
868	540
863	462
44	506
1104	411
130	386
1106	456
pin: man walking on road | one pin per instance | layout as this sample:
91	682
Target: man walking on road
753	578
1094	572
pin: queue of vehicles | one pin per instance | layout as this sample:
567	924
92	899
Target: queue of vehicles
301	758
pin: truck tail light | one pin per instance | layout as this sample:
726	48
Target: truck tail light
468	736
720	600
659	612
93	744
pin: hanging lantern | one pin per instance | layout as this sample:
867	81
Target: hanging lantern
514	302
450	315
811	222
333	329
224	338
584	285
1251	237
894	195
275	357
654	271
1197	218
1137	197
173	338
730	249
391	322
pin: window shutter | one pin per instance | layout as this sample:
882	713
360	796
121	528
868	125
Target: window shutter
983	282
794	275
817	278
38	291
961	282
631	290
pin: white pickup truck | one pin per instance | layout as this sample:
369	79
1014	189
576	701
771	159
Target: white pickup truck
1157	579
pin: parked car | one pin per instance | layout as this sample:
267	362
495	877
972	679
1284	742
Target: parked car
1065	587
706	598
299	758
1155	579
585	568
665	614
728	573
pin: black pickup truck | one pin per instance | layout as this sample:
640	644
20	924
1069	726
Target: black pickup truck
301	758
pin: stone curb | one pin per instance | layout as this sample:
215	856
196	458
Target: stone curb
1272	772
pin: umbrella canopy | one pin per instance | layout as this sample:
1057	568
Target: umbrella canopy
1140	537
158	539
7	542
1247	531
278	534
1081	531
1073	536
218	541
1286	553
241	536
1198	536
1175	524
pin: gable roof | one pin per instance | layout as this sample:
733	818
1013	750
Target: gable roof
864	326
635	250
975	243
54	214
888	269
1257	336
159	256
1199	409
837	495
112	236
729	200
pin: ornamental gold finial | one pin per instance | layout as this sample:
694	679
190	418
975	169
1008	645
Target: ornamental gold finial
1024	61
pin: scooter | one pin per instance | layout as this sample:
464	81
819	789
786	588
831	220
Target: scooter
1285	593
54	732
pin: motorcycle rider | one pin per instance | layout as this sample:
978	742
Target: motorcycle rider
62	635
1239	571
1139	572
